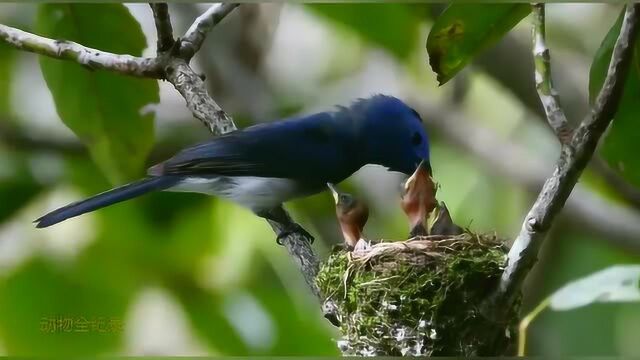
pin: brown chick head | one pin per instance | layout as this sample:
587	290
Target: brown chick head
352	215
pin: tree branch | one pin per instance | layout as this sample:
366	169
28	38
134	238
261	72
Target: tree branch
163	26
573	159
173	67
90	58
617	224
203	107
510	64
544	84
192	88
194	37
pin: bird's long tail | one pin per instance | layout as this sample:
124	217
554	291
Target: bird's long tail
106	198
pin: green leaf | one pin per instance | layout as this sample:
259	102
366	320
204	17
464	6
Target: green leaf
103	109
619	283
462	31
620	145
391	26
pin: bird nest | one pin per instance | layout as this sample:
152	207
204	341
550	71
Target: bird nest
418	297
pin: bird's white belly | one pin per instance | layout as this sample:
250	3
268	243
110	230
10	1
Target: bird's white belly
255	193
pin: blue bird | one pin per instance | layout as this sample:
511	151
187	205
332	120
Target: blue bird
265	165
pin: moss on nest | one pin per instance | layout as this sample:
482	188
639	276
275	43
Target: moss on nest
418	297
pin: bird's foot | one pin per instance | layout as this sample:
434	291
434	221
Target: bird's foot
294	228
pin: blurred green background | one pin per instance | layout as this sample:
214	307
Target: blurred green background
184	274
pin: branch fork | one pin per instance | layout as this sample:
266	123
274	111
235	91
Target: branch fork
171	64
575	153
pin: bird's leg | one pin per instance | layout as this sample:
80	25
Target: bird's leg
286	225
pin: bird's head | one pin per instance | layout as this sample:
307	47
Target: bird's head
352	215
390	133
344	202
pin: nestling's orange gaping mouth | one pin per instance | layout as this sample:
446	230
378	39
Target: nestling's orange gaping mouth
419	199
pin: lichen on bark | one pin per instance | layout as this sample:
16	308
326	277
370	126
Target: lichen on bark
419	297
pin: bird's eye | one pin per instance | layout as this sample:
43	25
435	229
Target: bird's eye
416	139
343	198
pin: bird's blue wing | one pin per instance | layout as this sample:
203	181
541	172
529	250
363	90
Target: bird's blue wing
318	147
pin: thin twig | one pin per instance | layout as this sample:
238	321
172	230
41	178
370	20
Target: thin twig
163	26
194	37
91	58
544	83
573	159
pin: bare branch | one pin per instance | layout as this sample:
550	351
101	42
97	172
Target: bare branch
163	26
85	56
617	224
175	68
204	108
573	159
192	88
194	37
510	64
544	84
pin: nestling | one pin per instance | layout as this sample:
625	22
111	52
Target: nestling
419	199
352	215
